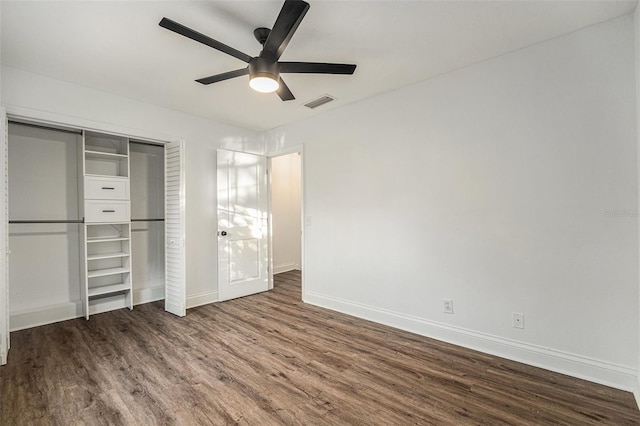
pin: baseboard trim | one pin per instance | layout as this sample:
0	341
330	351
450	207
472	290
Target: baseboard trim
285	267
636	391
616	376
107	304
148	295
28	318
200	299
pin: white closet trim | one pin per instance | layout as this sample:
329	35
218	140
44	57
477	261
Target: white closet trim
62	121
4	245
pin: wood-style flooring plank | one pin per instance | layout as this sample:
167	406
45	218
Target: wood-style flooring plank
269	359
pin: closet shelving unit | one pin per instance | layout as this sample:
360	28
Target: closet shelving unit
107	227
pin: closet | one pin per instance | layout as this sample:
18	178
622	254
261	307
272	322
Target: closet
86	223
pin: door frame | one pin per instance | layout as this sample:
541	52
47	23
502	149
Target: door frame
5	344
286	151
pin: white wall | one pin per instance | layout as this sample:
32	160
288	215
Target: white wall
286	206
507	186
30	94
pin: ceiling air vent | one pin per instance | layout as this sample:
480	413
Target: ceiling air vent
325	99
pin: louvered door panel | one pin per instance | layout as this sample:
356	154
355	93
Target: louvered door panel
175	273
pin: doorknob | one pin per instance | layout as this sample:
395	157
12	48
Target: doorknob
222	233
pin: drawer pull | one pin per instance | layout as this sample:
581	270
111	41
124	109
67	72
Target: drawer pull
108	211
108	187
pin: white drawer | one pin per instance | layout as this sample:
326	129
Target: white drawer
98	188
106	211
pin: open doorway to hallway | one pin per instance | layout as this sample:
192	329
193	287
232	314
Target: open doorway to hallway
286	213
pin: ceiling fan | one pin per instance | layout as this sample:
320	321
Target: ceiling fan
264	70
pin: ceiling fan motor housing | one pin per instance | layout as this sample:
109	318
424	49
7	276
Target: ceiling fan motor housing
263	67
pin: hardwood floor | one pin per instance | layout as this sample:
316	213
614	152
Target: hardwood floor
270	359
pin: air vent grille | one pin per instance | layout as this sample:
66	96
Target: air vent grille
325	99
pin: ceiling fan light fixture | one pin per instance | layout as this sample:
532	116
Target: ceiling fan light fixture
263	75
263	84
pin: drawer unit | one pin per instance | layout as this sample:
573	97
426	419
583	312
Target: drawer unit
99	188
106	211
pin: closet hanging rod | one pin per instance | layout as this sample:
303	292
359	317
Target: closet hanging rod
45	221
74	221
39	126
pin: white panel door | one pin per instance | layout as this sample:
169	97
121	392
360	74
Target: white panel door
175	292
4	240
242	224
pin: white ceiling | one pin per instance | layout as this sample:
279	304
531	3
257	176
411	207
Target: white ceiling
118	47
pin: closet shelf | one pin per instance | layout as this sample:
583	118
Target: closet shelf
106	239
106	255
104	155
105	272
106	289
106	176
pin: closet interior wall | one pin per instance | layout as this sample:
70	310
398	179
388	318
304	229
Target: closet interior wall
44	265
147	220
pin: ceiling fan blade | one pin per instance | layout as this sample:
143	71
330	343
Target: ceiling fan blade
201	38
284	92
224	76
315	68
286	24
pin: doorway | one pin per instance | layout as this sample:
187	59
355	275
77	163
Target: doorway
286	212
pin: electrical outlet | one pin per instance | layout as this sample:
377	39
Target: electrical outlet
447	305
518	320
